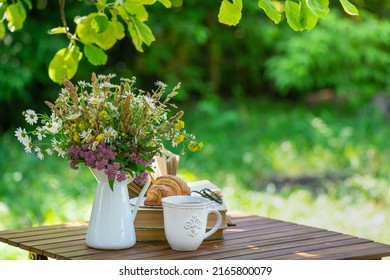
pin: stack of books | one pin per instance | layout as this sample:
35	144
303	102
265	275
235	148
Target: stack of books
168	163
149	221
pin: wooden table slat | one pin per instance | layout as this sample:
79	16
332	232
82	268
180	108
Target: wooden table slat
370	250
252	237
302	233
271	251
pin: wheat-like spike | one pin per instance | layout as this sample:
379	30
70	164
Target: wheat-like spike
94	79
54	109
72	89
176	117
173	93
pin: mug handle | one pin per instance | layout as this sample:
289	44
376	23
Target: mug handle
217	224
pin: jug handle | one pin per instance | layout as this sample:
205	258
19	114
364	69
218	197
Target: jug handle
141	195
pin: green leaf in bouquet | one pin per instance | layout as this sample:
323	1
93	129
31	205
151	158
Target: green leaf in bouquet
95	55
230	13
349	8
100	23
64	64
270	9
16	15
111	184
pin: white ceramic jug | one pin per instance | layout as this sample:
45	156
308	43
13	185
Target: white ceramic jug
111	225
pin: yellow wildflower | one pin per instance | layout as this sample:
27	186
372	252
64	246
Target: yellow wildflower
193	146
82	126
104	115
178	139
179	124
100	137
76	137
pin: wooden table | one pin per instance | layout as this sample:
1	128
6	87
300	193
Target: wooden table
252	237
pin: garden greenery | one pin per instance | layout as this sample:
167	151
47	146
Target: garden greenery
112	21
334	59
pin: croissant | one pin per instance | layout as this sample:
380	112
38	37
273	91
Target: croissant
166	185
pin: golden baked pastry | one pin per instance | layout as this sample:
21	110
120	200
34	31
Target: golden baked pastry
166	185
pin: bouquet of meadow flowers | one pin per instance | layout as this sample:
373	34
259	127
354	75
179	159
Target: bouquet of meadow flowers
112	127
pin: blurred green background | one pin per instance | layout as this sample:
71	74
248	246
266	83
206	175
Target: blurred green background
295	125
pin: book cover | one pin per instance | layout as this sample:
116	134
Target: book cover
158	234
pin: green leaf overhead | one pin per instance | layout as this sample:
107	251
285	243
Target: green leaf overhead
299	16
87	33
57	30
307	17
16	15
136	8
98	30
319	7
166	3
100	23
230	12
64	64
28	3
95	55
349	8
270	9
140	33
292	15
2	30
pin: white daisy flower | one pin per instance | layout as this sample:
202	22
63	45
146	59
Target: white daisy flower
61	152
95	100
114	133
109	133
161	84
28	145
111	107
39	152
30	116
86	133
22	135
49	151
40	133
150	102
106	85
55	144
57	147
73	116
82	83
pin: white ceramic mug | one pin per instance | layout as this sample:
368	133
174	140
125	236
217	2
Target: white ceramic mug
185	221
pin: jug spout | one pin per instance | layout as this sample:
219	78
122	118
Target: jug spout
141	196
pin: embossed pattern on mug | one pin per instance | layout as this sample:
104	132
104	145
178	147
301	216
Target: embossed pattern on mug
194	224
